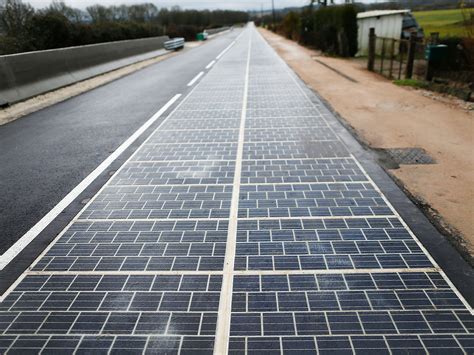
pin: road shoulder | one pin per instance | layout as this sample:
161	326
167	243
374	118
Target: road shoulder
382	115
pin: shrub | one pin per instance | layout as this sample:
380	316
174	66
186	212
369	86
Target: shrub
332	29
26	29
290	26
336	29
460	53
189	32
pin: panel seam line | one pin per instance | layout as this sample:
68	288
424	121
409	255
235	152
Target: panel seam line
225	302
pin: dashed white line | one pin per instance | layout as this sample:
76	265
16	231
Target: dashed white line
29	236
210	64
196	78
225	50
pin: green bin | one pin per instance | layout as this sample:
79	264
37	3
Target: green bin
436	53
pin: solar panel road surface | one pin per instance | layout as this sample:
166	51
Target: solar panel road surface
243	225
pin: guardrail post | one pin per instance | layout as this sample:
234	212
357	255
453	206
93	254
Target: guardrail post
411	56
371	60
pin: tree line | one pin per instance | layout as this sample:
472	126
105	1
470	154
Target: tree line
332	29
23	28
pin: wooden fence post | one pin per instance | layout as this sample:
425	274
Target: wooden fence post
411	56
392	51
382	55
371	60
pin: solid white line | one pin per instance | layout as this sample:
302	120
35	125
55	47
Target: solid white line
225	304
405	225
210	64
29	236
418	242
225	50
244	272
196	78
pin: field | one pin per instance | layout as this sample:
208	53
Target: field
446	22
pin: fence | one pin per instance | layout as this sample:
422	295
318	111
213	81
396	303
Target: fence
397	58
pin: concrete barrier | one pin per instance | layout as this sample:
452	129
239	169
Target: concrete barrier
28	74
214	31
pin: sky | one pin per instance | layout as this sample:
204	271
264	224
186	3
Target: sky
185	4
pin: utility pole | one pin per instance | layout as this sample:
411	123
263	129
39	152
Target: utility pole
273	12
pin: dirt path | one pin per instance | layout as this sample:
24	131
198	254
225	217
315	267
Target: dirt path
387	116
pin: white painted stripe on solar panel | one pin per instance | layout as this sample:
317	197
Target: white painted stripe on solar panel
461	297
420	245
184	160
7	292
254	184
292	141
199	129
188	143
368	217
335	271
225	303
276	128
231	160
201	119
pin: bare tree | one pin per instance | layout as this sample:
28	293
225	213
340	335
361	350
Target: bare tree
99	13
15	17
73	15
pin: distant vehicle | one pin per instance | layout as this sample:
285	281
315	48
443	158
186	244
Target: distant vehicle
202	36
174	44
409	26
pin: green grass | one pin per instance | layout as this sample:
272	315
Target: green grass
448	23
412	83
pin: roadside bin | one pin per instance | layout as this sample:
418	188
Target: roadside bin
202	36
436	54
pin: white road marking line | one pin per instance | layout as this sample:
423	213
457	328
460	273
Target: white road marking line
210	64
250	142
415	238
75	219
240	218
29	236
244	272
196	78
225	50
225	303
252	183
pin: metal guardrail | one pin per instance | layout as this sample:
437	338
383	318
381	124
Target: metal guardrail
174	44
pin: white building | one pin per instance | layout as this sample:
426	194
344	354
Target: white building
387	23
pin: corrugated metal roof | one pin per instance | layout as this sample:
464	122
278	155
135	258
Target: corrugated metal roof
378	13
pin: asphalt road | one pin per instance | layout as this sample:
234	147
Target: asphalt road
44	155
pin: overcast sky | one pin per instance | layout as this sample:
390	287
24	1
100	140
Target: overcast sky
185	4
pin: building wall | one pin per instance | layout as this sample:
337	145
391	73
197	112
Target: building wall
389	26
